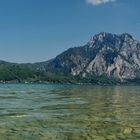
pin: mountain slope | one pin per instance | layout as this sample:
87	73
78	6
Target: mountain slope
115	56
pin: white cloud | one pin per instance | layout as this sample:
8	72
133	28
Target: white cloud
98	2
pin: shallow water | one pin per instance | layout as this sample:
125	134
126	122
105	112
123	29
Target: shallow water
69	112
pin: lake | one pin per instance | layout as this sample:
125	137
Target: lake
69	112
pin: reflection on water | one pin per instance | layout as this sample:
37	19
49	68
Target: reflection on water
69	112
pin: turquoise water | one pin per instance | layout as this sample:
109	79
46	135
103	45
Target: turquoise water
69	112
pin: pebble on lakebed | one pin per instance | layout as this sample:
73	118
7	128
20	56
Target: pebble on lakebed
127	131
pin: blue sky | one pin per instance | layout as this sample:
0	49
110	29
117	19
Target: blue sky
37	30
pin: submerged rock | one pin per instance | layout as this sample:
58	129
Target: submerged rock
127	131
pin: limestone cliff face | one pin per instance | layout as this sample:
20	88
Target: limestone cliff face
116	56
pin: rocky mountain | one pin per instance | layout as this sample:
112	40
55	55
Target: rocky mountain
114	56
105	57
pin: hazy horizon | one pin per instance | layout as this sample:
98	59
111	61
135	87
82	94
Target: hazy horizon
34	31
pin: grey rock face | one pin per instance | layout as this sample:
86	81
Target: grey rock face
116	56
